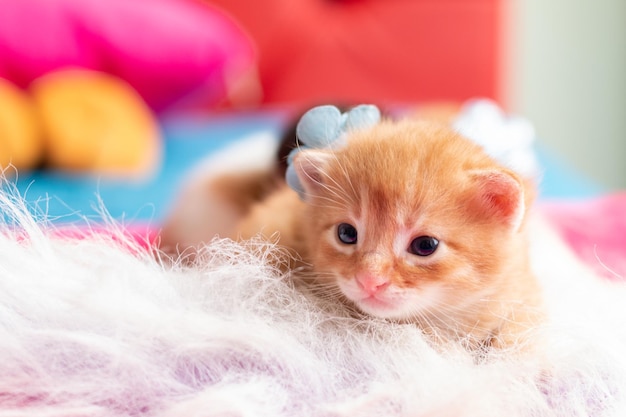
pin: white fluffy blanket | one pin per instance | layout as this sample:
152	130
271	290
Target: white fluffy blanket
96	326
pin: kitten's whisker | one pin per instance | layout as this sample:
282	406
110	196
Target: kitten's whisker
334	188
338	196
334	204
441	314
347	177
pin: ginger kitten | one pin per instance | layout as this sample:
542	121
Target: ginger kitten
409	221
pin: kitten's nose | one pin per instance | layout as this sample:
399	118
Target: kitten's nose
370	283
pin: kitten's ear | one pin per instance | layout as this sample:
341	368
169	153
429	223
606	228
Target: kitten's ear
310	168
499	194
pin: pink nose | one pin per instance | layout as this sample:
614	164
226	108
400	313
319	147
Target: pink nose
371	284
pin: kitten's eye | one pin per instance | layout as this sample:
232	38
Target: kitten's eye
347	233
423	245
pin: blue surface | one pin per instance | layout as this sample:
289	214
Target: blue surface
188	139
68	197
561	181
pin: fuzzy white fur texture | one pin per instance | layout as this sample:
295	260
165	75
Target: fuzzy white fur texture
98	326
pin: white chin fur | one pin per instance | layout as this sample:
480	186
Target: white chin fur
380	308
89	327
390	303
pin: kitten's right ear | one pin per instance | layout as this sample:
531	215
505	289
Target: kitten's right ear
309	166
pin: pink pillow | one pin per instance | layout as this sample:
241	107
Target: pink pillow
166	49
596	230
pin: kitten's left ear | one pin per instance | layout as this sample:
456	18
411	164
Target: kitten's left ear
499	195
306	173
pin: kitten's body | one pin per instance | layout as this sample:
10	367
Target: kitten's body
392	186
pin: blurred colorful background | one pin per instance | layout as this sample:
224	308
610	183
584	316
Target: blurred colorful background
111	102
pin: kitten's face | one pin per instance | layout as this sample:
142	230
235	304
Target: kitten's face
410	221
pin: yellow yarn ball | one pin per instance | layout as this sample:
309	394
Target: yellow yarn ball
20	136
95	122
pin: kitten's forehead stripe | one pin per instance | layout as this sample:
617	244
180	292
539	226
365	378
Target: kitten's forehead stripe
380	206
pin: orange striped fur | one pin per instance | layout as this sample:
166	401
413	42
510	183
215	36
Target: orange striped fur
394	183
